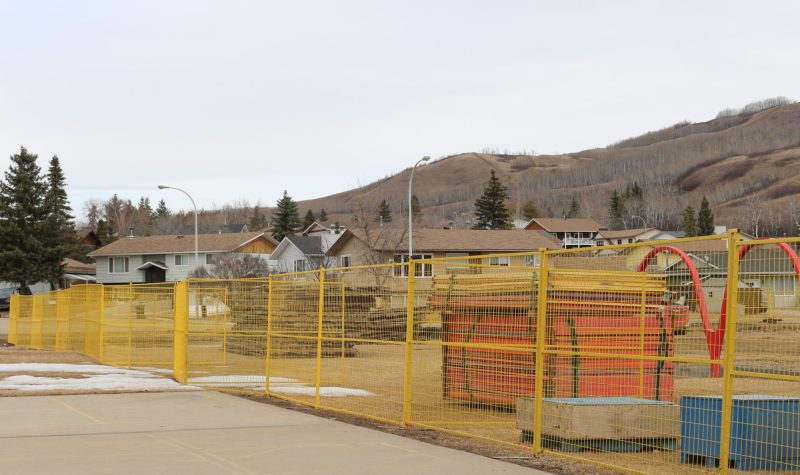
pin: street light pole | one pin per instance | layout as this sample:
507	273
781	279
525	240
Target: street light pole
410	213
196	246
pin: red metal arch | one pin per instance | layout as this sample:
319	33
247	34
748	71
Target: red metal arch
715	338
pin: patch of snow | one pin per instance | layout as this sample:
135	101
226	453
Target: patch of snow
324	391
65	368
239	381
132	381
153	370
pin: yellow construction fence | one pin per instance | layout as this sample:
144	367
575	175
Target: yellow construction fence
658	357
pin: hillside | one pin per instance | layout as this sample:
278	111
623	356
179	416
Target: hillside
747	164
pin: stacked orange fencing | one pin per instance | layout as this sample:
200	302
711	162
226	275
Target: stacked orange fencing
669	357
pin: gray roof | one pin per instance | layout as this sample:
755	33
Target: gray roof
308	245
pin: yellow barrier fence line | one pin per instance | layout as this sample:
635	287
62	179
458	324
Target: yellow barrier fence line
13	319
478	256
673	359
342	349
642	320
729	347
62	320
180	359
773	376
467	423
36	321
101	324
407	373
541	329
320	316
268	356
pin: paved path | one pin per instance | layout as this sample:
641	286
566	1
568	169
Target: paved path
205	432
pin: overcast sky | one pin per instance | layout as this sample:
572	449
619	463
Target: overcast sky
240	100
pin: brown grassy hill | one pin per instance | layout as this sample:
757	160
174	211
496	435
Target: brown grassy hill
748	165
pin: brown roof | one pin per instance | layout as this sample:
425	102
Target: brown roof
715	245
224	242
455	240
561	225
622	233
71	266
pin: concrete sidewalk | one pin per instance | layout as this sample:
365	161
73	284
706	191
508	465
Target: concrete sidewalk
206	433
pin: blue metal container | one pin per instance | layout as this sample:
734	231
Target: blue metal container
765	432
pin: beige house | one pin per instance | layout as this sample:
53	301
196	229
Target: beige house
460	252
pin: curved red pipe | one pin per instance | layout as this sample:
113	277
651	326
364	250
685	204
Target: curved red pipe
715	338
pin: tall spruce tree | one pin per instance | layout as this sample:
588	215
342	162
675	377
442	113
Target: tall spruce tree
529	210
490	209
59	225
616	211
416	209
285	220
25	255
162	211
323	216
308	219
384	214
574	209
705	219
689	221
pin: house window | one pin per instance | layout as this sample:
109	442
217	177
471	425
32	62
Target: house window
532	261
421	269
457	263
299	265
619	241
181	260
346	261
117	265
210	259
630	241
500	261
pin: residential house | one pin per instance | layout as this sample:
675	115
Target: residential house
76	272
572	232
317	228
625	236
169	258
301	253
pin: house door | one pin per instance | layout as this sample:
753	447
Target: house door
155	274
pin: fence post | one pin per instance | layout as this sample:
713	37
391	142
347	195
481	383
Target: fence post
13	319
101	323
541	327
36	321
269	333
412	271
180	357
730	348
62	319
320	313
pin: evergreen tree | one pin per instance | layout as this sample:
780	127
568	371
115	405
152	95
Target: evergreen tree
59	228
384	214
705	219
24	254
490	209
689	221
285	220
616	211
323	216
308	219
416	209
529	210
104	232
574	209
162	211
258	220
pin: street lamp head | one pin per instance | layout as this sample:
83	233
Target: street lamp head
161	187
426	158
